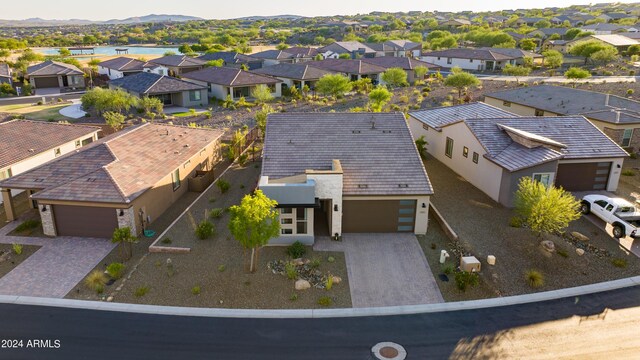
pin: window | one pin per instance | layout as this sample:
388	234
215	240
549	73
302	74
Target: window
425	126
57	152
186	164
465	152
286	211
449	149
539	112
78	143
544	178
175	179
194	95
286	221
448	60
87	141
475	157
286	231
506	103
609	207
438	57
626	137
301	221
5	174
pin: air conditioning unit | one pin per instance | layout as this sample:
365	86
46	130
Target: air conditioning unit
469	264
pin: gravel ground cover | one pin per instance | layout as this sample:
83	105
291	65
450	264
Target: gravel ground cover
483	227
10	260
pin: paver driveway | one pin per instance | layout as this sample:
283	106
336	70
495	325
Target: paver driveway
55	268
385	269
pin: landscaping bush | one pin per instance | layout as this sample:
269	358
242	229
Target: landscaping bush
628	172
141	291
630	92
212	199
619	263
324	301
464	280
331	259
328	283
563	253
96	281
315	263
223	185
195	290
448	268
27	225
242	159
534	278
216	213
116	270
296	250
293	297
17	248
166	241
205	230
221	268
290	269
515	222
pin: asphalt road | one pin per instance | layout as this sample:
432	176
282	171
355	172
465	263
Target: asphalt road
575	327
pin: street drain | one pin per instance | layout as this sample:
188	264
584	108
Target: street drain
388	351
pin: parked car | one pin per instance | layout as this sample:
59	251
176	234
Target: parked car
620	213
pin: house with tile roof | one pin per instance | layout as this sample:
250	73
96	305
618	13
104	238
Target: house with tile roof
295	75
397	48
475	59
290	55
233	59
5	74
618	41
355	49
54	74
123	66
171	91
493	149
407	64
179	64
616	116
354	69
27	144
223	81
127	179
335	173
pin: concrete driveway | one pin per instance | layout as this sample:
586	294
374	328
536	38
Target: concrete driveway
56	267
385	269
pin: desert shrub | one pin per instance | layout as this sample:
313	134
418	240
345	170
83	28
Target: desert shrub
633	155
328	283
195	290
223	185
315	263
464	280
242	159
630	92
96	281
448	268
331	259
166	241
563	253
628	172
293	297
296	250
515	222
324	301
290	269
205	230
619	263
222	268
216	213
116	270
27	225
17	248
141	291
534	278
403	99
212	199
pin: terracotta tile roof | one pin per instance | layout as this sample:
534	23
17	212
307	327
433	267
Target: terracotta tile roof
348	66
22	139
178	61
49	68
118	168
399	62
300	71
229	77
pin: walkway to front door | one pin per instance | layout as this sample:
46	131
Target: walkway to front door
385	269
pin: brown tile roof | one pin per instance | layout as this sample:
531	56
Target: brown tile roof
348	66
117	168
178	61
22	139
49	68
229	77
124	64
404	63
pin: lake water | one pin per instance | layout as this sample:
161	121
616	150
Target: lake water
111	50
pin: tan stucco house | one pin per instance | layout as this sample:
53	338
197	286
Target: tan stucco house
53	74
171	91
127	179
335	173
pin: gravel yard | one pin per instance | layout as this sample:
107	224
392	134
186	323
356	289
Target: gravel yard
629	185
10	260
483	227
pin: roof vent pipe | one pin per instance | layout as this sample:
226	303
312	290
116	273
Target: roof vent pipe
606	100
617	116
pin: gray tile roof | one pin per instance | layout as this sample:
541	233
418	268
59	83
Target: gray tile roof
22	139
300	71
229	77
515	53
439	117
399	62
273	55
301	51
470	53
178	61
567	101
5	71
348	66
123	64
118	168
150	83
50	67
376	161
351	46
582	140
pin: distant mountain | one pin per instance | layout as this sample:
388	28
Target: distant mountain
132	20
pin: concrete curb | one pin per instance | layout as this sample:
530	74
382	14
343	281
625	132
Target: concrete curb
323	313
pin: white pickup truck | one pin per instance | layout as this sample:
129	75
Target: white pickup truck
620	213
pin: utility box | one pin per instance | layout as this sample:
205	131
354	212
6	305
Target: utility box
469	264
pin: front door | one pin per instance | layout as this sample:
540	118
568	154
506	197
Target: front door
65	81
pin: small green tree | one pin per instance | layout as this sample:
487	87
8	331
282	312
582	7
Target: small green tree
545	209
362	86
553	59
395	77
261	118
576	73
282	46
420	72
516	71
261	93
124	238
64	52
378	97
528	44
606	55
421	145
461	80
344	56
253	223
589	47
335	85
114	119
151	105
214	63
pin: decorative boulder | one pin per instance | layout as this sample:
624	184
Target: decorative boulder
580	252
580	237
548	245
302	285
297	262
337	279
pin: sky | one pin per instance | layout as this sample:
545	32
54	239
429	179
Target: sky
225	9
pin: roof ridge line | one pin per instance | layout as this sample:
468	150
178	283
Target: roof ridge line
115	183
235	77
154	84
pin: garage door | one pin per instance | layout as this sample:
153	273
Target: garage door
84	221
378	216
47	82
583	176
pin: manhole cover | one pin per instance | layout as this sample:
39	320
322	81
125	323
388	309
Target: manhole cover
388	351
